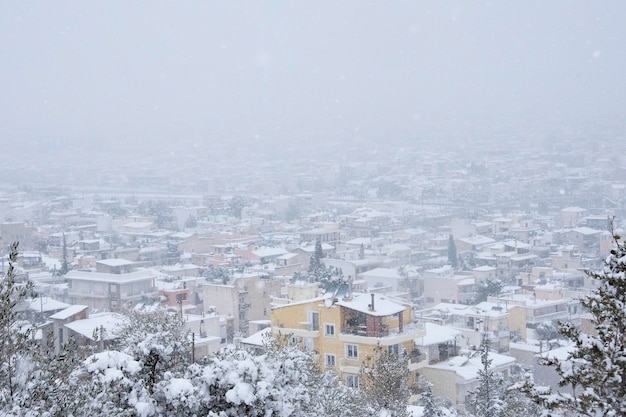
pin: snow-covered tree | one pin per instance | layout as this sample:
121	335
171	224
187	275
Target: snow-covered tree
383	381
487	288
487	400
216	274
16	344
318	272
159	210
33	377
453	258
331	397
316	266
547	331
517	404
111	386
236	383
65	264
158	341
432	408
595	369
327	394
236	205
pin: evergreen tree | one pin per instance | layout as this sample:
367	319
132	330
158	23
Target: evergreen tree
429	402
65	265
453	257
517	404
547	331
159	210
191	222
595	369
216	274
487	400
16	344
236	206
158	342
48	390
318	272
318	254
487	288
383	380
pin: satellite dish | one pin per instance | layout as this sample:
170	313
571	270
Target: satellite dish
328	302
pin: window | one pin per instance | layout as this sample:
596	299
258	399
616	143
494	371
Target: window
352	351
394	349
314	320
329	360
352	381
309	344
329	330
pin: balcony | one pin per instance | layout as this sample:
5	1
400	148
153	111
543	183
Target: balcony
361	330
384	335
417	356
350	365
532	318
417	359
303	329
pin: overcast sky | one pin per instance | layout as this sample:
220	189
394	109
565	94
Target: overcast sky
291	70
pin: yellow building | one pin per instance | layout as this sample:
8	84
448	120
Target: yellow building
345	332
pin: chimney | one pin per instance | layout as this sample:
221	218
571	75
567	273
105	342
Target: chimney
373	309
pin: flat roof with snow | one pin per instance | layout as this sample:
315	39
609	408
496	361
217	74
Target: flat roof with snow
435	334
115	262
382	305
68	312
135	276
468	367
112	324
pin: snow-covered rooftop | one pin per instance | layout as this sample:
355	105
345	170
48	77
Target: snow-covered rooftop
259	338
115	262
468	367
140	275
111	323
68	312
435	334
45	304
477	240
587	231
382	273
264	252
383	306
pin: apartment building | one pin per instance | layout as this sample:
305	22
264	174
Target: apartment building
245	297
443	285
346	331
110	291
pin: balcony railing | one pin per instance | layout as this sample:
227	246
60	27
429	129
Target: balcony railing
362	331
417	357
349	362
530	318
383	331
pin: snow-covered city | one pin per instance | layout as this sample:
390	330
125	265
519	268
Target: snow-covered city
298	209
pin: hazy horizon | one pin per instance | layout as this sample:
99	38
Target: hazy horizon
290	72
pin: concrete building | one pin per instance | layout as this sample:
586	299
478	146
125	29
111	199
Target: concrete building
245	298
443	285
346	331
110	292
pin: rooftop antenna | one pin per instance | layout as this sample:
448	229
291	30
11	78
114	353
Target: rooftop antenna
350	287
